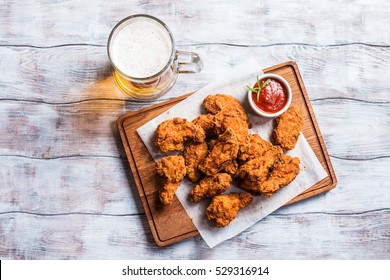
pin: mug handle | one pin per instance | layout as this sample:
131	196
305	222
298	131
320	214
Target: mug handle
188	62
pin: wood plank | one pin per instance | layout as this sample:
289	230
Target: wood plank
80	73
357	236
57	75
352	132
47	131
67	185
361	187
148	182
251	22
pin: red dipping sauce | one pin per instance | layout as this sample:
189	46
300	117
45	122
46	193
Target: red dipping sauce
273	97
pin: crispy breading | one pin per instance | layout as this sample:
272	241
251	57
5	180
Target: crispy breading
172	169
210	186
283	173
206	122
289	125
224	207
228	113
193	154
222	153
254	146
231	168
230	119
222	102
253	173
171	134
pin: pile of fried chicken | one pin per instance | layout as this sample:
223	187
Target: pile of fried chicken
217	149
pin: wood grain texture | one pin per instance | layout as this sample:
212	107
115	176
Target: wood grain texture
72	74
67	185
65	188
331	22
76	236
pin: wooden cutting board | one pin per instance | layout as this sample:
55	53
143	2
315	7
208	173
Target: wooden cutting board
172	224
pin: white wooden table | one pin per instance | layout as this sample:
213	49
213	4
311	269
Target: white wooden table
66	190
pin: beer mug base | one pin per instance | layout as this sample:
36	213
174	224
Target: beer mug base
134	90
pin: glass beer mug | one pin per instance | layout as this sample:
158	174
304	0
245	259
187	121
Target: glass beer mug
145	62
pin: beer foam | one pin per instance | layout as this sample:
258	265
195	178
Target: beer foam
141	48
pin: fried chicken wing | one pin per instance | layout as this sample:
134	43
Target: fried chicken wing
193	154
253	173
172	169
171	134
283	173
222	102
254	146
288	127
222	153
224	207
209	186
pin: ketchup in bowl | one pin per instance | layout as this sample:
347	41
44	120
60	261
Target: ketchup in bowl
270	95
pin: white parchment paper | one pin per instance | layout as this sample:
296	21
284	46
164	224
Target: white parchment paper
234	84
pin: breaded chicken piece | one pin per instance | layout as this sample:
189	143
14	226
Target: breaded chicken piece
172	169
230	168
224	207
254	146
230	119
222	153
283	173
210	186
171	134
207	123
193	154
288	127
222	102
253	173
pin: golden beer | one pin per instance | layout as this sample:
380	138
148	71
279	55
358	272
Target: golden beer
142	51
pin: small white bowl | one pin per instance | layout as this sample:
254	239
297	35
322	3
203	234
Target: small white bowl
262	113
